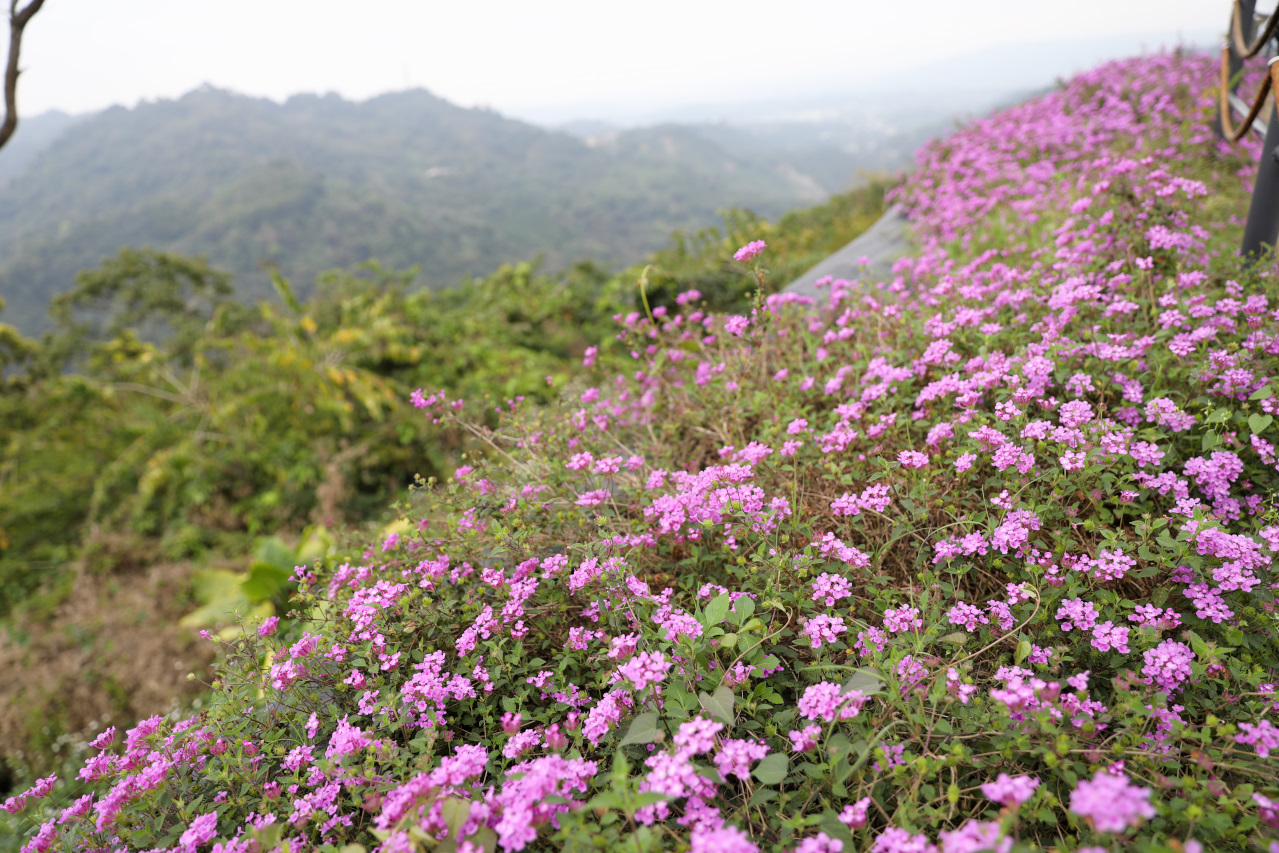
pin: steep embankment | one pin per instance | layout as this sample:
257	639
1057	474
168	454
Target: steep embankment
978	558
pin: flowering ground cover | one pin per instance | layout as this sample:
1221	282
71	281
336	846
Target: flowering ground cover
976	559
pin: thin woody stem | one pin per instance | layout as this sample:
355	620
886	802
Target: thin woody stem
17	23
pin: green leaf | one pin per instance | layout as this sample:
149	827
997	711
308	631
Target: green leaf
264	582
956	637
1024	648
772	770
1218	416
648	798
743	610
719	704
867	680
455	812
716	611
604	800
1258	422
1210	440
643	729
677	694
1263	393
838	746
485	838
268	835
1197	644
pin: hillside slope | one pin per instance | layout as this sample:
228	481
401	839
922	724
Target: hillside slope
976	559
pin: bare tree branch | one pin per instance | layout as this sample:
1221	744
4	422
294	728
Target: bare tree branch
17	23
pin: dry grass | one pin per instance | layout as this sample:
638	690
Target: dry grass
111	653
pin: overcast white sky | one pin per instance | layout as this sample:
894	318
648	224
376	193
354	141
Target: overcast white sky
521	56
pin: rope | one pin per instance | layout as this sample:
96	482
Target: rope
1232	133
1242	49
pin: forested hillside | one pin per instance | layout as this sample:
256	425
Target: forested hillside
408	178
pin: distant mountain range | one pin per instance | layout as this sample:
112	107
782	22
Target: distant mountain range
407	178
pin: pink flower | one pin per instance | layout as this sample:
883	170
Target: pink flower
592	498
823	629
346	740
854	816
902	619
820	843
725	839
1267	810
750	250
912	459
697	736
828	588
1010	790
823	700
644	669
1106	636
966	616
805	739
201	831
268	627
1168	665
1110	803
1264	736
1072	460
735	757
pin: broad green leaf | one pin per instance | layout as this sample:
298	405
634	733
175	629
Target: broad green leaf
772	770
762	795
829	823
273	552
485	838
743	610
220	594
1197	644
1263	393
648	798
956	637
455	812
1258	422
716	611
604	800
719	704
264	582
1218	416
643	730
1210	440
1024	648
681	697
867	680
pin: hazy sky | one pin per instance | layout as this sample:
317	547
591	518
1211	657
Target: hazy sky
522	56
